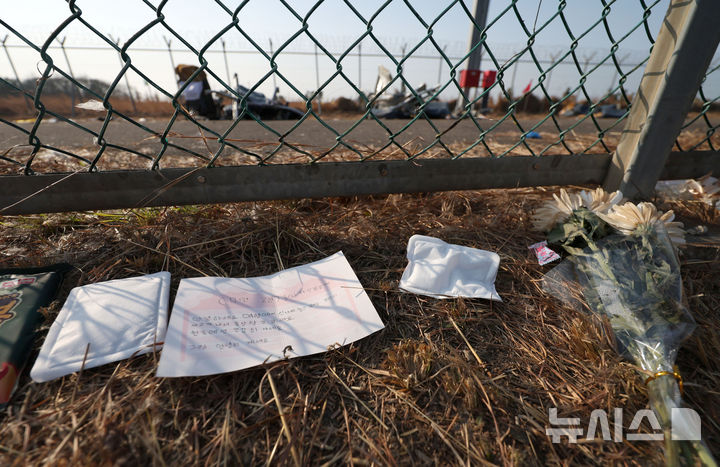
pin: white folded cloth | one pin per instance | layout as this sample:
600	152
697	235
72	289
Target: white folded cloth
443	270
117	319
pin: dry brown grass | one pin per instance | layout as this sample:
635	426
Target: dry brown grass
447	382
17	107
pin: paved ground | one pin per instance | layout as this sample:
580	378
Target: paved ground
310	132
311	136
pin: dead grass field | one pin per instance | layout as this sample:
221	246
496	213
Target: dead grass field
18	107
447	382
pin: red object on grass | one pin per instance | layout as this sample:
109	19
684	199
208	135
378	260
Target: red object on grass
469	78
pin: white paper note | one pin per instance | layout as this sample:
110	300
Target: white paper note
110	320
219	324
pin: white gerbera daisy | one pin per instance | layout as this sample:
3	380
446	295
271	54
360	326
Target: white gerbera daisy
628	218
561	207
599	200
555	211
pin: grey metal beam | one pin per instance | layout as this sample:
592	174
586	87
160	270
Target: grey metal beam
480	17
128	189
682	165
475	58
682	52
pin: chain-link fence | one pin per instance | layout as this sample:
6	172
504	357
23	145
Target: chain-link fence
582	62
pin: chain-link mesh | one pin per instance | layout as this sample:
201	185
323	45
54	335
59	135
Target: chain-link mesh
540	120
698	130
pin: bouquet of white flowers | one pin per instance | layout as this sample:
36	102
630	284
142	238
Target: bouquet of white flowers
624	260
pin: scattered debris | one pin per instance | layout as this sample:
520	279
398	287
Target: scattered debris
257	104
402	104
203	101
581	108
601	111
92	104
610	111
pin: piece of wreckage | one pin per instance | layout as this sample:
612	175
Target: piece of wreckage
600	111
402	104
202	101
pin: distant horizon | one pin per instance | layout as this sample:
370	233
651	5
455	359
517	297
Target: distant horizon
198	22
371	59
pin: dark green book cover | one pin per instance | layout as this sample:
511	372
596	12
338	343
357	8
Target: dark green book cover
22	293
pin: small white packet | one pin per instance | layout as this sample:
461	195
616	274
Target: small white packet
443	270
117	319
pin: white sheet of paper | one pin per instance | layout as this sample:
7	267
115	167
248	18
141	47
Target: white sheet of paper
116	319
218	325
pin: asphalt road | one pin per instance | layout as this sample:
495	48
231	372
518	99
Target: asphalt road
310	134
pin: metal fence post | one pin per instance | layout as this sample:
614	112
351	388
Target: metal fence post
127	81
475	51
553	57
620	62
28	104
360	66
317	81
73	91
682	52
274	76
227	68
172	62
440	64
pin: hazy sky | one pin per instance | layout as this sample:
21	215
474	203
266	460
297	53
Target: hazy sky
336	27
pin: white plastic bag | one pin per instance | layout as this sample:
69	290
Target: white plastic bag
443	270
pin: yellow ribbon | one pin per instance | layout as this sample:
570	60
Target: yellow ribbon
673	373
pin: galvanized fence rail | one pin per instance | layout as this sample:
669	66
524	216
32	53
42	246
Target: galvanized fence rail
228	162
